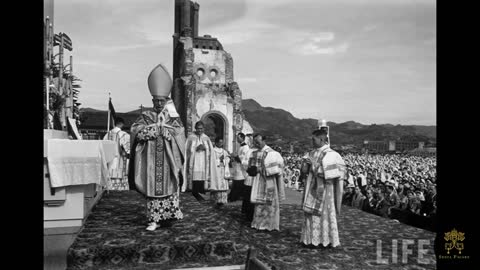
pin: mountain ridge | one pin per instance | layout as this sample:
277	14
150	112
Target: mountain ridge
284	128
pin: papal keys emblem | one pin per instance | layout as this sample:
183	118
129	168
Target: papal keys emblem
454	238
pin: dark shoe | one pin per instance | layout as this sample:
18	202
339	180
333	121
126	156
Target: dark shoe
312	246
306	246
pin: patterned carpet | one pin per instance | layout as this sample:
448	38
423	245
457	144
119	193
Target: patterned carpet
114	237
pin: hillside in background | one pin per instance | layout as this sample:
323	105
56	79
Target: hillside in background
283	128
282	125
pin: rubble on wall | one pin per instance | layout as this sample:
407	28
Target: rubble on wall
238	116
228	68
237	121
237	96
189	88
189	60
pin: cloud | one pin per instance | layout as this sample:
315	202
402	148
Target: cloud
353	2
240	31
386	41
306	43
324	37
221	12
110	23
298	42
120	48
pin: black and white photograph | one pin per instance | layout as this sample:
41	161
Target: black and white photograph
242	134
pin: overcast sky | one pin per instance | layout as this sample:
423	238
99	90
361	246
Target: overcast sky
371	61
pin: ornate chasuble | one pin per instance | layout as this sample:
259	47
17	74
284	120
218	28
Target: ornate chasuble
323	172
270	175
158	161
162	170
314	186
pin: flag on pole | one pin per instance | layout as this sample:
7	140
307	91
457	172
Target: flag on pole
112	111
67	42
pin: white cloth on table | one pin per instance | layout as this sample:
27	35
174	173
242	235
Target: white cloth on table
78	162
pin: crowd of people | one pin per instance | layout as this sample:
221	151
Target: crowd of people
291	172
395	186
401	187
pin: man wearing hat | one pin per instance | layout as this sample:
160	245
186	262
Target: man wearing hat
323	192
157	155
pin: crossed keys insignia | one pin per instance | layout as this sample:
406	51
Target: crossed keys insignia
454	237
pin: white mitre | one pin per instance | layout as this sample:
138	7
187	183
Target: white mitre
159	82
160	85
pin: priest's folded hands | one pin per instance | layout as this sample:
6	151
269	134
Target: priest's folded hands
200	147
306	164
235	157
150	132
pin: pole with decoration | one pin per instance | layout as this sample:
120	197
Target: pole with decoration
108	117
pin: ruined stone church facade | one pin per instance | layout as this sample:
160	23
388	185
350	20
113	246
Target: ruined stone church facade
204	87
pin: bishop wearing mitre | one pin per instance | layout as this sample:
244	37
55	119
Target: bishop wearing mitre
157	153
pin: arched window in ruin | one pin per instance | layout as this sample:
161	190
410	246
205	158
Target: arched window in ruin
216	126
